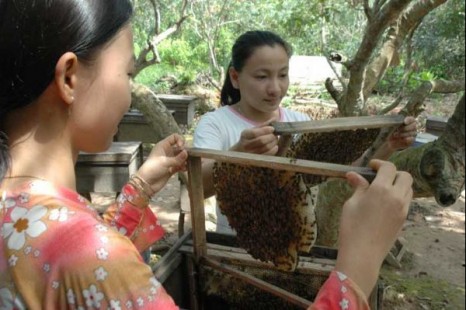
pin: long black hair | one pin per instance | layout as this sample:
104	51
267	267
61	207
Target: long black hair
35	34
243	48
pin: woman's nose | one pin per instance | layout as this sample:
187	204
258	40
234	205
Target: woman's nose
274	86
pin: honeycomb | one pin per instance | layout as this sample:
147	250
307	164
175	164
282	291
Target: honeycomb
339	147
272	211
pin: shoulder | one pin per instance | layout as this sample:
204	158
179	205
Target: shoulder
220	113
216	121
293	116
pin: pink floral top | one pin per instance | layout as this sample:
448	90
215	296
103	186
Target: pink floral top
56	252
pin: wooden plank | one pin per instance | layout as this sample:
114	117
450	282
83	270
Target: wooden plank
338	124
170	98
436	125
241	254
194	296
282	163
170	260
284	143
196	195
215	238
272	289
305	265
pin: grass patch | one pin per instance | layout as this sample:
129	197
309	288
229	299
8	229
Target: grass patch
420	292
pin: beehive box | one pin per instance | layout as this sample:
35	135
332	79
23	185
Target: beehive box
135	127
183	105
108	171
436	125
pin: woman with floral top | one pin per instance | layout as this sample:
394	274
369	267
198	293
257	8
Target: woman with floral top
65	69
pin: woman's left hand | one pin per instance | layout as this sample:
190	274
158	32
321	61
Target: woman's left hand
403	136
166	158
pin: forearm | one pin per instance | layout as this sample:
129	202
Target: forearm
361	266
132	216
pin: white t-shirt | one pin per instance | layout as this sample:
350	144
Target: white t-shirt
221	129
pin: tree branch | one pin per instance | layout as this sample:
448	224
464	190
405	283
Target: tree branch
388	13
367	10
339	77
415	106
142	62
339	58
335	93
406	24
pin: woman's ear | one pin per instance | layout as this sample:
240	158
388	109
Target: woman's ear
234	75
65	76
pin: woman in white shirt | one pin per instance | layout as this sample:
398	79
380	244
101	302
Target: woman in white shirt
255	85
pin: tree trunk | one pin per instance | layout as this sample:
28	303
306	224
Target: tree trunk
159	118
438	167
401	19
397	33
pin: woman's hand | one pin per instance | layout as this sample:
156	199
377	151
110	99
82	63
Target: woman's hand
166	158
404	136
258	140
371	221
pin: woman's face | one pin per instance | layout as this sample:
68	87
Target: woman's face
264	80
104	94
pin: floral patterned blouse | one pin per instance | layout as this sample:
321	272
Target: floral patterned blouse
56	252
339	292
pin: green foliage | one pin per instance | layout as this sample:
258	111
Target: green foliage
312	28
394	77
440	41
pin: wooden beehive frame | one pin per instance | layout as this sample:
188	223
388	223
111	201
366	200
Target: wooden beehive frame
338	124
196	191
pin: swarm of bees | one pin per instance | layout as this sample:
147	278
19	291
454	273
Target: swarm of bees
272	211
339	147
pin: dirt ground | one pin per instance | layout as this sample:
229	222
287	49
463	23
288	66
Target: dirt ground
432	275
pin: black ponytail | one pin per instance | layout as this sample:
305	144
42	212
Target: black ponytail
229	94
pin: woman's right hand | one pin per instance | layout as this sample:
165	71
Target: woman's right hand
371	221
257	140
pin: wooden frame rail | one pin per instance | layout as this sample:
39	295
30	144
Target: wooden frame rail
196	193
338	124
